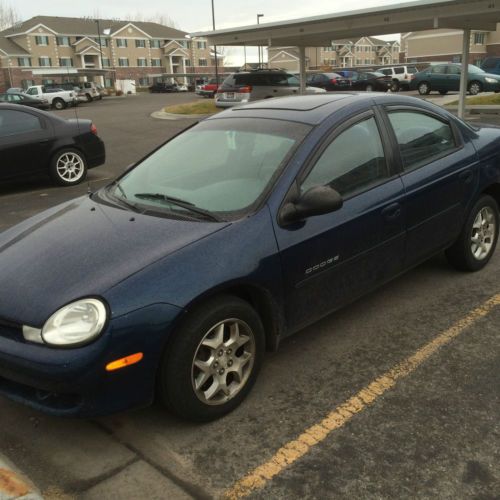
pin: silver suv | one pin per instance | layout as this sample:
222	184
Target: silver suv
401	76
245	86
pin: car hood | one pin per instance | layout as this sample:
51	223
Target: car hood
82	248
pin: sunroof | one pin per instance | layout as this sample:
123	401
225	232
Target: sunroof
295	103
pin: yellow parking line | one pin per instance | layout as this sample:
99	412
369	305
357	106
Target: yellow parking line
296	449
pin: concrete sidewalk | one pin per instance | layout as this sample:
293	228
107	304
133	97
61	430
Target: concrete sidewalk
14	485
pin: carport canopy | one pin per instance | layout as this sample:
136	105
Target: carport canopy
319	31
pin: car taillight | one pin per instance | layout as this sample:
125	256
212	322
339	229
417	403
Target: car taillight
413	76
93	129
245	90
333	80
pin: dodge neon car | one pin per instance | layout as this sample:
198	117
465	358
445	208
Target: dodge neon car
234	234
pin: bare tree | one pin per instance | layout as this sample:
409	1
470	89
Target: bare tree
156	18
8	15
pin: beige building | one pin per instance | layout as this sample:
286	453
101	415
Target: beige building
446	45
366	51
55	49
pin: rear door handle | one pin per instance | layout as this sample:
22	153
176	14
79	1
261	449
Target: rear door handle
466	176
392	212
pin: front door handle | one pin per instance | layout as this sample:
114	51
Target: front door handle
392	212
466	176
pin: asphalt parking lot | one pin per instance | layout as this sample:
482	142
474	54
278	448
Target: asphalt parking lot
396	396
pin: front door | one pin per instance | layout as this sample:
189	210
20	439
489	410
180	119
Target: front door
438	77
330	259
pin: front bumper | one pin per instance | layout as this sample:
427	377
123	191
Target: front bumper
74	382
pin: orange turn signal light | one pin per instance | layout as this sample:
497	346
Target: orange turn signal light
124	362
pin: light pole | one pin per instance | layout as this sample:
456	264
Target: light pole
100	47
215	50
258	22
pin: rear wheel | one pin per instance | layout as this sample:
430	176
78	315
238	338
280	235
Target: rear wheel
58	103
424	88
475	88
68	167
213	360
89	97
477	241
395	86
369	88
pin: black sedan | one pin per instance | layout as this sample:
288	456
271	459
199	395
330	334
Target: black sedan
33	141
161	87
329	81
25	100
371	81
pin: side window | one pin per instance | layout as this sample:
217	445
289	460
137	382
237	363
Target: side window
17	122
438	69
293	81
346	166
386	72
420	137
399	71
453	70
33	91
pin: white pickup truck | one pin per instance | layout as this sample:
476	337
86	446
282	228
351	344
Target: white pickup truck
58	98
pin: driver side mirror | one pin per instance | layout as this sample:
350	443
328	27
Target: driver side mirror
317	200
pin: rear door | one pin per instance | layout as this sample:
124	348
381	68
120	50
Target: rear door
438	77
453	78
439	175
25	142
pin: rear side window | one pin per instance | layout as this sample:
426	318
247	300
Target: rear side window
399	71
411	69
421	137
346	166
17	122
386	72
441	68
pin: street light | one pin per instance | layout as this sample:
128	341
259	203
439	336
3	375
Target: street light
215	50
258	22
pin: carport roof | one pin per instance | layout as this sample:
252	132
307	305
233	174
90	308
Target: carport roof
319	31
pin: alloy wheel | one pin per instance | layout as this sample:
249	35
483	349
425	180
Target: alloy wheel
223	362
70	167
475	88
483	233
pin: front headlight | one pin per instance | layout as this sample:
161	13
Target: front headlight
491	80
77	323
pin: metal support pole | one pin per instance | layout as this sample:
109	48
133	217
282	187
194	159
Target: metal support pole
302	69
100	48
215	49
258	47
464	73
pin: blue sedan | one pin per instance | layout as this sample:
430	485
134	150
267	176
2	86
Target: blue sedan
173	280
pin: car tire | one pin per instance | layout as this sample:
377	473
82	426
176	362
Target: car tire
59	104
424	88
443	92
200	358
475	88
477	241
89	97
395	86
68	167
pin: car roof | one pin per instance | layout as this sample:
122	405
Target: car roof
312	109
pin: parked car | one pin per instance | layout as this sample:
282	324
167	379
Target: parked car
90	90
174	279
57	97
370	81
181	87
162	87
103	91
329	81
401	76
246	86
25	100
209	89
491	65
443	78
33	141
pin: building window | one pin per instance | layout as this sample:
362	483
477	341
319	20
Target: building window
201	45
24	61
187	62
202	62
478	62
27	83
108	82
62	41
47	81
156	62
106	62
121	42
66	62
123	62
143	82
44	61
358	61
457	59
367	61
42	40
479	38
104	42
155	44
140	44
141	61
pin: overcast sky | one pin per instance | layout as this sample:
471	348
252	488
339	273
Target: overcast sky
195	15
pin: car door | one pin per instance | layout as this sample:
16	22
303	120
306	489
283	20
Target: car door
328	260
439	176
438	77
452	78
25	142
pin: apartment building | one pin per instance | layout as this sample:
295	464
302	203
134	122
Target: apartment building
446	45
366	51
47	49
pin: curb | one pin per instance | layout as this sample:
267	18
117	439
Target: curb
15	485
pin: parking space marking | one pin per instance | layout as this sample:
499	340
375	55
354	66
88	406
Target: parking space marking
296	449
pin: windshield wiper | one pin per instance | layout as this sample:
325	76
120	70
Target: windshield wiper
180	203
122	199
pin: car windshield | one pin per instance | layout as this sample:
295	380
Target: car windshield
475	69
223	167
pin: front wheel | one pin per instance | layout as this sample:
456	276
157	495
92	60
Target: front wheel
89	97
475	88
58	104
369	88
424	88
68	167
213	359
477	241
395	86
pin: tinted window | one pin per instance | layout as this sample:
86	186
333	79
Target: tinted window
438	69
411	69
278	79
386	72
490	63
399	71
17	122
346	166
453	70
420	137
